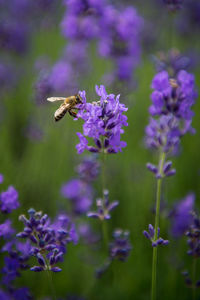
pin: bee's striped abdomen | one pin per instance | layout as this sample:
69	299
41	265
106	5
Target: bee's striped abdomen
60	116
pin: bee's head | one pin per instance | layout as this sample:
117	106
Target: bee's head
78	99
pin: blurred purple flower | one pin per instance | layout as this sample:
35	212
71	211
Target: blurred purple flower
4	295
120	39
120	247
172	62
86	234
6	229
88	169
8	76
22	294
9	200
175	96
174	4
14	35
181	216
1	178
193	234
79	193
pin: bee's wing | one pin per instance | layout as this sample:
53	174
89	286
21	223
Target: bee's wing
61	111
53	99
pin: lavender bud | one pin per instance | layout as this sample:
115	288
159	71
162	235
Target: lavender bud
93	149
37	269
111	126
31	212
41	260
167	167
52	260
33	238
22	235
111	150
146	234
98	143
58	257
56	269
165	242
152	168
171	172
151	231
106	143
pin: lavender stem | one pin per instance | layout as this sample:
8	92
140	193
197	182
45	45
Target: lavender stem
51	285
104	224
158	194
193	278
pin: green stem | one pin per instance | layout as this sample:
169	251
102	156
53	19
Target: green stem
158	194
193	278
104	224
50	280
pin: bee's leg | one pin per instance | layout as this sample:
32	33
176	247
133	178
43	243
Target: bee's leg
72	113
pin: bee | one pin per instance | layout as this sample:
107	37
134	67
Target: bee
68	105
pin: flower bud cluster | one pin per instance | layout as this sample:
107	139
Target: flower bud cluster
104	207
103	122
155	241
49	241
120	247
193	235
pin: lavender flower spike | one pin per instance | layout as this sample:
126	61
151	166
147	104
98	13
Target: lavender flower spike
103	208
155	241
103	122
48	240
120	247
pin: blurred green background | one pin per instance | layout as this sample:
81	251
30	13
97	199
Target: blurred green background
37	169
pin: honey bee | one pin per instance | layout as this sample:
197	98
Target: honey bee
68	105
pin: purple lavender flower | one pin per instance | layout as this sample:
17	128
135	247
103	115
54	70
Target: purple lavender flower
49	240
87	235
22	294
173	4
13	35
172	100
7	76
120	247
193	235
155	241
172	62
81	19
120	39
9	200
1	178
163	133
189	18
181	215
6	229
79	193
4	295
88	169
103	121
173	96
103	207
57	79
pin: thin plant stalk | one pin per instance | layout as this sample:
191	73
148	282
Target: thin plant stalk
158	196
103	171
193	278
50	280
